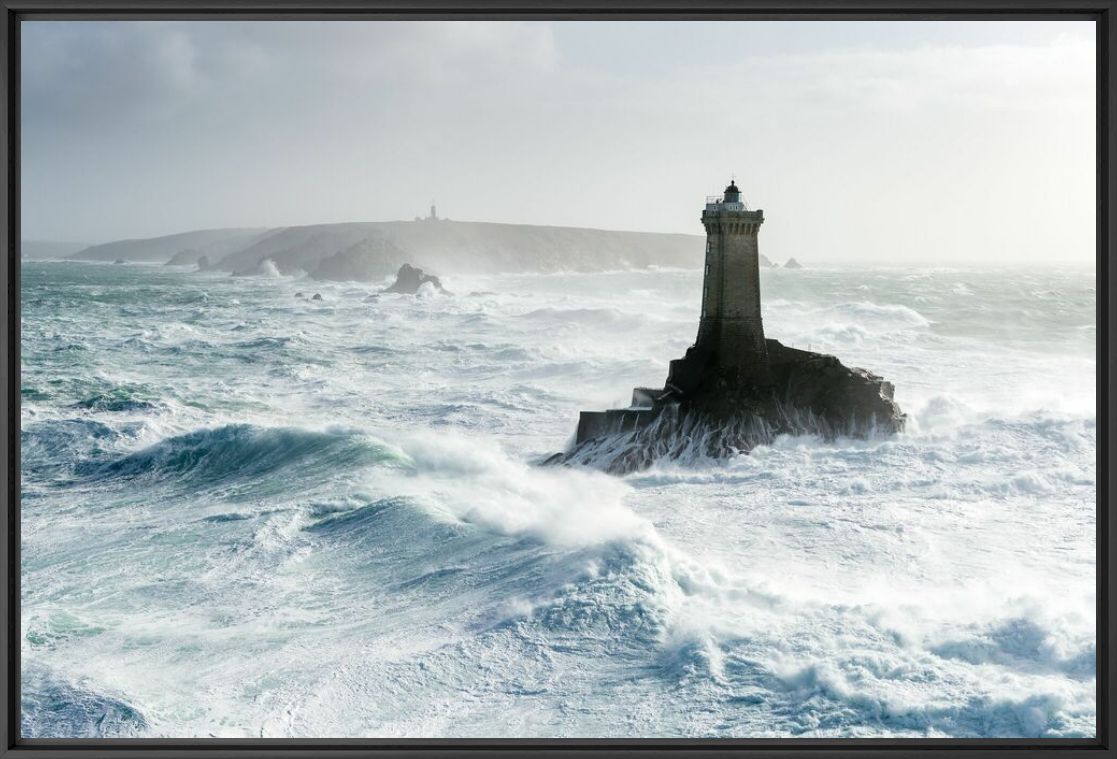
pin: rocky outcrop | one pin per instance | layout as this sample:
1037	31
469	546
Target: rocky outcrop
792	264
704	410
185	257
190	257
410	278
366	260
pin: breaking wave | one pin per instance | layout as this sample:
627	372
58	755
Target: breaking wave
52	707
216	456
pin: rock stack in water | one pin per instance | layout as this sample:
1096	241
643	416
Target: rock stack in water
410	278
734	389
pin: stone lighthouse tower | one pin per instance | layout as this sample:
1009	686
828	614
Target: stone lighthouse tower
734	390
730	329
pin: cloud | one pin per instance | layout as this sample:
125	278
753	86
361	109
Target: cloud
107	71
851	145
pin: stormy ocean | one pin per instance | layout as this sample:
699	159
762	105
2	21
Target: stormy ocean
247	513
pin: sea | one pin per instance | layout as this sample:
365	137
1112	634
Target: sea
250	513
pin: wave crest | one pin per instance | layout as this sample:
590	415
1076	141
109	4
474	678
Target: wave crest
218	455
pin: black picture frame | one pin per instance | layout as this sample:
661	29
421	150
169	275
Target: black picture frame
1102	12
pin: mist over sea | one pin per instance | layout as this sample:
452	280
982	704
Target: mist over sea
248	514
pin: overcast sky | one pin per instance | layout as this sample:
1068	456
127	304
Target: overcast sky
862	141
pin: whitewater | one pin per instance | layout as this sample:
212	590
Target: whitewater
251	514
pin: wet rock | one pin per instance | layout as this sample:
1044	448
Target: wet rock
316	296
792	264
706	411
410	278
184	257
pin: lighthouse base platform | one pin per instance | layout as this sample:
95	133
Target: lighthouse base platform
706	410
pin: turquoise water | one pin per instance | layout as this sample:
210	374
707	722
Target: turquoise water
251	514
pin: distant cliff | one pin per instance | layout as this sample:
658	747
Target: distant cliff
361	251
213	243
48	249
364	251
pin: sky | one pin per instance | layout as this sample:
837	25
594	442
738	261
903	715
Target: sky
877	142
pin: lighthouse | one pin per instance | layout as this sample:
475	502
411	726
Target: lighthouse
734	389
730	329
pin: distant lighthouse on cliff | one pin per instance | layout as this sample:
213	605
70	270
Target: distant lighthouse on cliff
731	328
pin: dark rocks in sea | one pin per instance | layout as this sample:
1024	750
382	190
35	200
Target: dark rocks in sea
410	278
300	294
184	257
734	389
316	296
203	263
120	261
792	264
708	410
